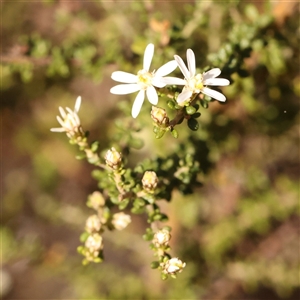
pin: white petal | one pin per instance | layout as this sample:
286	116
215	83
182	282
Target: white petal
214	94
148	55
166	68
190	56
62	112
152	95
182	66
60	121
174	80
137	104
216	81
158	82
69	110
60	129
123	89
124	77
184	96
212	73
77	104
76	119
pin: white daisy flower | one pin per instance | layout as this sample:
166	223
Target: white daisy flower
144	81
70	122
196	83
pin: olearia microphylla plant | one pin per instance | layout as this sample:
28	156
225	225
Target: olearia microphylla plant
140	188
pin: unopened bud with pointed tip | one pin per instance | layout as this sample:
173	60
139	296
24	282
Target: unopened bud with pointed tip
159	116
149	180
113	158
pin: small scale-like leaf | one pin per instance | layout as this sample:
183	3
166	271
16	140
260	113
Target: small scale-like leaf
190	110
94	146
204	103
83	237
196	115
164	276
136	143
172	104
80	156
123	204
174	133
193	124
155	264
160	133
148	236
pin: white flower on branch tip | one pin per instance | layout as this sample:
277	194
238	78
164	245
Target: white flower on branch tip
144	81
173	266
70	122
196	83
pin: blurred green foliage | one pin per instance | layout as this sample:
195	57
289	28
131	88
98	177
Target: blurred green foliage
238	233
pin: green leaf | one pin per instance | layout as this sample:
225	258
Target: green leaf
136	143
190	110
138	202
164	218
80	156
164	276
148	236
123	204
204	103
154	264
193	124
94	146
138	210
159	132
172	104
83	237
174	133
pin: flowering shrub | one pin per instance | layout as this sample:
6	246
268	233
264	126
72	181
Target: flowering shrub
123	186
191	111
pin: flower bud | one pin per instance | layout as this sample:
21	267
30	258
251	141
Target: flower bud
149	180
161	238
120	221
159	116
113	158
94	243
173	266
93	224
95	200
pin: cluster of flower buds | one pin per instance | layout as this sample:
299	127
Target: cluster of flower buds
95	226
167	265
93	248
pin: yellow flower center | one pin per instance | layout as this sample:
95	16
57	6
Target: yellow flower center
144	79
195	83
